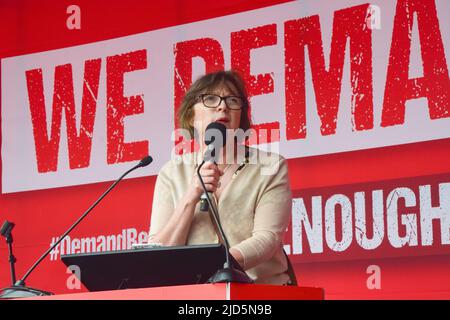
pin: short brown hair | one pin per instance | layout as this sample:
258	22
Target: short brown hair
211	81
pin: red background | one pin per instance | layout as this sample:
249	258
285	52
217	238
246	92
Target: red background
35	26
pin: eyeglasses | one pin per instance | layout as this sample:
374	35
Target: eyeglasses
213	101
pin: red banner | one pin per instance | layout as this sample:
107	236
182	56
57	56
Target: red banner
354	94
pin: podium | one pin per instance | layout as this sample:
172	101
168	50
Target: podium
148	267
155	274
216	291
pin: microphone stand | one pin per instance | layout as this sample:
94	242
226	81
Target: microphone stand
19	290
6	231
12	259
228	273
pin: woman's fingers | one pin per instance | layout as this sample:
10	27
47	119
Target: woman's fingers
211	184
211	166
210	187
210	180
211	171
210	175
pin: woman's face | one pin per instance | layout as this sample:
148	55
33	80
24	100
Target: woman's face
204	115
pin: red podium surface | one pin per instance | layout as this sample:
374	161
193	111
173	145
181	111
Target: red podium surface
217	291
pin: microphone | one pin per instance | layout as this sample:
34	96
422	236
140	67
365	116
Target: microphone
19	290
215	139
143	163
228	273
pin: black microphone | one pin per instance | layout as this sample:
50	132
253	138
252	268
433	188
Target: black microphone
228	273
215	139
19	290
144	162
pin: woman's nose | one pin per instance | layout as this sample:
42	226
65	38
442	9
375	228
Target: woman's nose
222	105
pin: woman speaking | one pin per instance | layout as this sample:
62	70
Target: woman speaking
249	187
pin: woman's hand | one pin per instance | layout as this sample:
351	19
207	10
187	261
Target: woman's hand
210	174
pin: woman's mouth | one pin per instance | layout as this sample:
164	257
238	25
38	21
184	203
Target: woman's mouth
223	120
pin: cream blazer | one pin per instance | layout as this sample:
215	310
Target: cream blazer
254	209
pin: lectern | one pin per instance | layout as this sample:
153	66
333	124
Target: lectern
174	273
148	267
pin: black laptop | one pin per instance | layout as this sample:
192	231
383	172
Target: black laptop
148	267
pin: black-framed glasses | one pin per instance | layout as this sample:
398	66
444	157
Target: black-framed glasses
213	101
